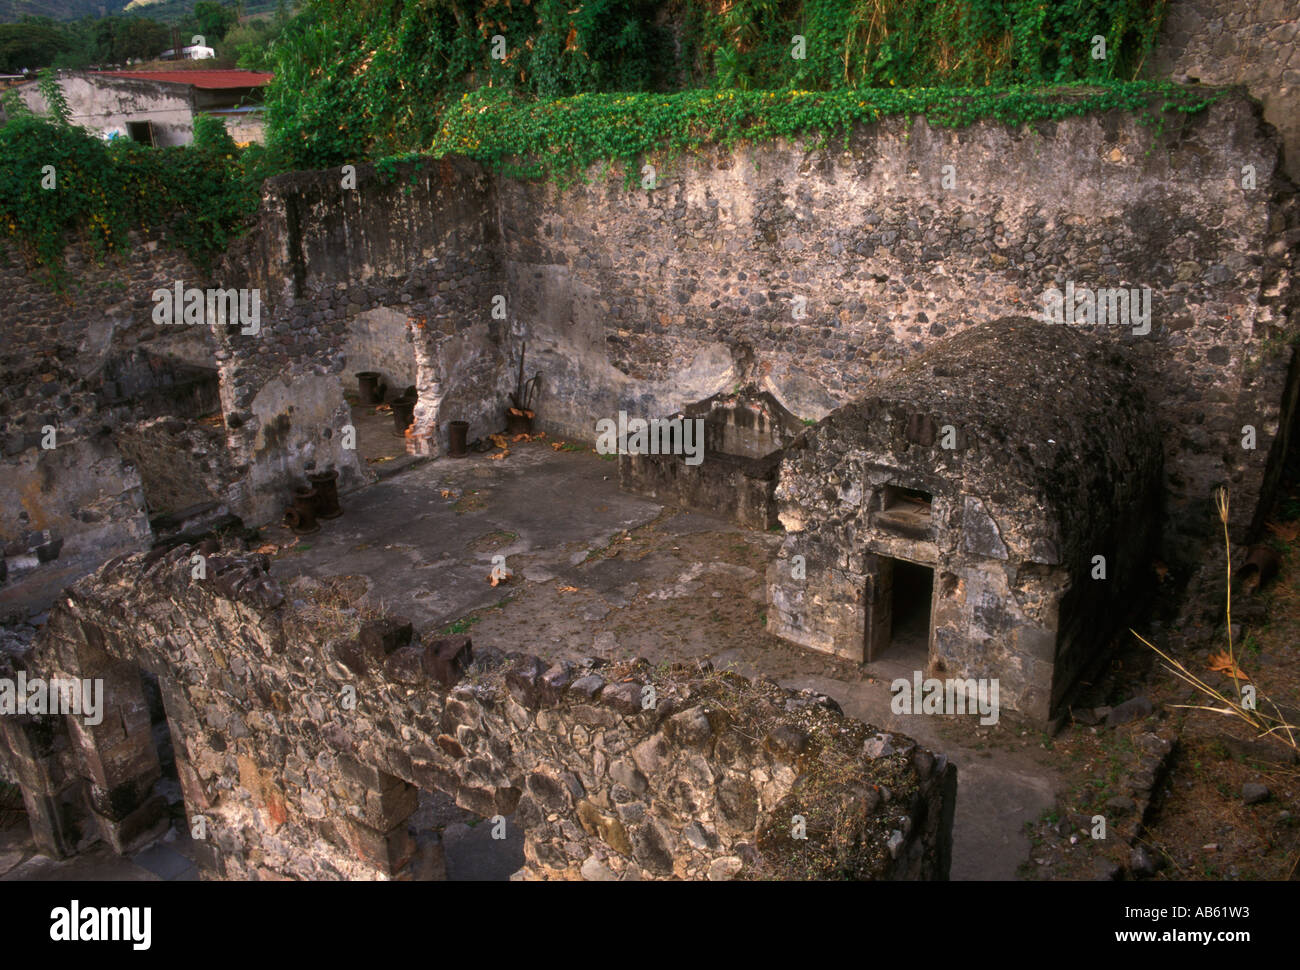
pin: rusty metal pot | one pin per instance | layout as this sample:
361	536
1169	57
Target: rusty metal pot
518	422
457	434
301	516
403	414
327	494
371	386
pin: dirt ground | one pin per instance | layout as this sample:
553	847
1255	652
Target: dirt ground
1204	822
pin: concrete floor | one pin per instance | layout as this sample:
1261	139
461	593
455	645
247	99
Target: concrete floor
600	572
169	859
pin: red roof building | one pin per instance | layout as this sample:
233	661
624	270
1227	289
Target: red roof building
203	80
158	107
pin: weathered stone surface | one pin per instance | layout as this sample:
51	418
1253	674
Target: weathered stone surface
1133	709
307	787
1046	440
1253	792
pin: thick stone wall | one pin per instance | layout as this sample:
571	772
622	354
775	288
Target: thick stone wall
404	260
1053	460
303	726
1229	42
811	271
805	270
64	509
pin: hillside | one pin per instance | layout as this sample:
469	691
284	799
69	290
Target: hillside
11	11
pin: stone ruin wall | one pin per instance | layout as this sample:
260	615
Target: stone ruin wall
647	302
63	511
1255	44
412	250
292	781
1038	481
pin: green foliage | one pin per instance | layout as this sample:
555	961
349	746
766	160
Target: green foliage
851	43
460	626
55	102
372	78
31	44
198	195
210	135
554	139
580	82
39	42
250	44
213	20
14	105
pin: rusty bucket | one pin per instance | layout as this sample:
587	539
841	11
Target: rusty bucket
457	435
519	422
403	414
371	386
327	494
301	516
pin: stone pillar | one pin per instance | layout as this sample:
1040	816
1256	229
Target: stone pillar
379	836
116	755
29	745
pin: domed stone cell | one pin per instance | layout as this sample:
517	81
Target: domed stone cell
990	507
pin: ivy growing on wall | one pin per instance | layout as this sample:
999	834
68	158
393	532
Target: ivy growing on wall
546	87
558	138
58	181
376	77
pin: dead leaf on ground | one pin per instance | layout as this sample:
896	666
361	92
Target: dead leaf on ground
568	589
557	445
447	493
520	437
499	455
1223	663
270	549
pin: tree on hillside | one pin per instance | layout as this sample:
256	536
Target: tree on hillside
212	20
31	44
249	44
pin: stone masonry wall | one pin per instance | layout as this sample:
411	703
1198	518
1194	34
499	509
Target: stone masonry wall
63	510
807	271
646	301
701	781
1229	42
1055	460
327	258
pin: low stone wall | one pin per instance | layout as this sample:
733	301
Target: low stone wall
303	725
